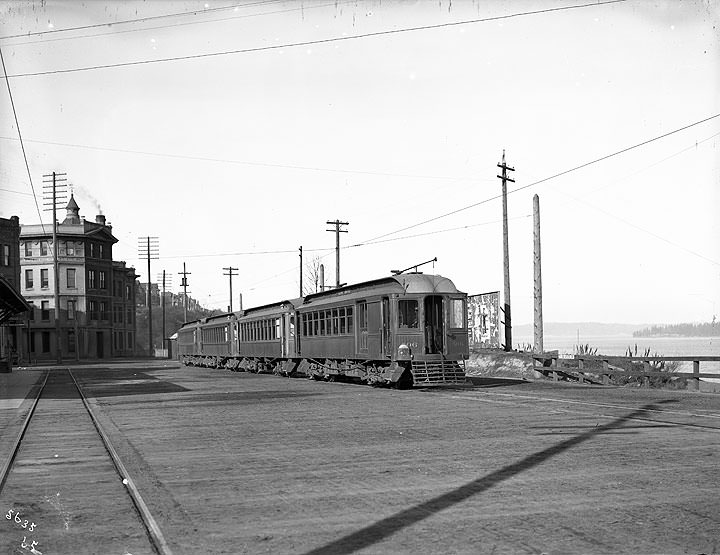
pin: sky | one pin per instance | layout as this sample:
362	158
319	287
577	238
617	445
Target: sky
233	131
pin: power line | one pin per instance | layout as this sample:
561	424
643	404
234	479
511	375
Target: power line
315	42
136	20
144	29
17	125
245	162
534	183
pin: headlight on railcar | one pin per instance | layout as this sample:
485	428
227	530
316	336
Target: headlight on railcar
404	352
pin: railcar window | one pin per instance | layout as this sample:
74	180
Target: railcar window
335	324
458	314
349	318
342	322
408	313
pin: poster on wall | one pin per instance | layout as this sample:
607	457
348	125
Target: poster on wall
484	320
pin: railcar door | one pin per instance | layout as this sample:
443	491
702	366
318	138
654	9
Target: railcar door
386	335
374	329
288	335
434	325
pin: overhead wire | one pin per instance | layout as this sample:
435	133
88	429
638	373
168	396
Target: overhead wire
203	22
22	145
243	162
538	182
138	20
315	42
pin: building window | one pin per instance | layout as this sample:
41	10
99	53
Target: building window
103	310
91	279
31	312
44	281
28	279
70	248
127	292
128	320
46	342
102	279
45	310
101	251
5	255
28	248
43	248
71	278
71	309
129	340
93	310
71	341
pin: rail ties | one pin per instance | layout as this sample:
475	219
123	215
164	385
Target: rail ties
63	489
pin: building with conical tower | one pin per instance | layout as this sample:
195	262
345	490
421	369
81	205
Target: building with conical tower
96	293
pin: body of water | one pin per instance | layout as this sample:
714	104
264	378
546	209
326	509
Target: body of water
618	344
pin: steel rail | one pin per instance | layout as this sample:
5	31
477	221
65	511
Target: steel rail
16	447
151	525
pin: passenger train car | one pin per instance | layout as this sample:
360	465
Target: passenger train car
404	330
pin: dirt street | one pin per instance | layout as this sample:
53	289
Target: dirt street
244	463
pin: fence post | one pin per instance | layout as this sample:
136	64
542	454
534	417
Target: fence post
696	375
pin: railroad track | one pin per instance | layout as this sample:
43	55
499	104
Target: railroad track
61	485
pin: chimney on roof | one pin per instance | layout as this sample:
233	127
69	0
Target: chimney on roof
100	219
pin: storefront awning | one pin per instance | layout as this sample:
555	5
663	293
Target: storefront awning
11	302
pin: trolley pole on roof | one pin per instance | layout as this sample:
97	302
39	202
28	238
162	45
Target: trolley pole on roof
337	231
301	284
506	253
230	274
184	284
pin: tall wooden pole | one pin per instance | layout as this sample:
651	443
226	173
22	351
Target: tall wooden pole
537	281
506	254
337	231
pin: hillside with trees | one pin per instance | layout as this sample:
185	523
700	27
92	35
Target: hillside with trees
707	329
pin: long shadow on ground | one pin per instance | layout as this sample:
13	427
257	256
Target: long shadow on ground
386	527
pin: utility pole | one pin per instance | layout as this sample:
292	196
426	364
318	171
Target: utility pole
230	274
166	279
53	182
337	231
149	247
301	283
537	281
184	284
506	253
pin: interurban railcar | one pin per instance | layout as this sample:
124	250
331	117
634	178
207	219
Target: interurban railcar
405	329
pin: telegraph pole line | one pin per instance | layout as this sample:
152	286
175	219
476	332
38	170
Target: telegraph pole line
230	275
166	280
55	183
184	284
506	253
149	247
337	231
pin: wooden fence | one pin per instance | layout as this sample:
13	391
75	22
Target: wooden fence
587	368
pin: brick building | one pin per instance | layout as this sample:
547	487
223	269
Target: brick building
96	293
12	305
